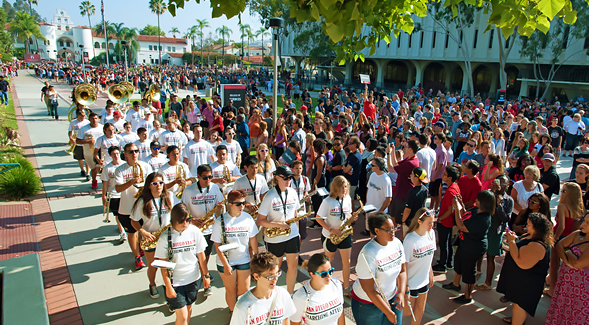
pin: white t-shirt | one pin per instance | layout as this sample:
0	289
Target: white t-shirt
152	223
129	137
324	308
154	135
379	189
218	169
134	117
233	150
123	174
273	208
176	138
259	309
185	246
147	125
267	171
201	201
301	186
119	125
197	153
108	175
419	253
237	230
330	211
523	195
144	149
244	183
170	173
385	263
105	117
75	125
103	143
156	162
427	159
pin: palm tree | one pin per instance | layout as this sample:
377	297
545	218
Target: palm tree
262	32
250	35
243	29
202	24
118	30
158	7
174	31
88	9
191	34
224	31
24	27
129	34
31	3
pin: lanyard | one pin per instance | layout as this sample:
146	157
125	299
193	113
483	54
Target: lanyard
253	188
284	201
296	184
201	192
341	208
159	210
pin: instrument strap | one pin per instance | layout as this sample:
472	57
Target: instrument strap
201	192
159	210
224	235
308	292
297	186
170	253
284	201
272	307
253	187
341	207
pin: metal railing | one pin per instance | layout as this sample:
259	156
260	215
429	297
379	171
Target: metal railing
14	165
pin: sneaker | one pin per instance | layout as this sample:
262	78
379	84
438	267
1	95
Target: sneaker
348	292
462	300
139	263
153	292
141	252
207	292
88	177
451	286
94	184
365	233
439	268
123	237
83	173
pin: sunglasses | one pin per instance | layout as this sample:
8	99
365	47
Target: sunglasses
534	202
273	276
390	231
155	148
324	274
230	133
264	150
157	183
206	177
470	145
337	144
133	151
189	219
286	178
238	203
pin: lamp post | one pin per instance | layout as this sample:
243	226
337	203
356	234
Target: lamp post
124	43
276	24
82	60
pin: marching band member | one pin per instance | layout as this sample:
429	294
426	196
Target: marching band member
333	212
154	134
104	142
146	123
380	188
265	299
129	178
279	205
198	151
254	185
151	212
72	134
233	148
171	169
142	143
117	121
87	135
320	300
157	159
302	186
267	165
420	245
184	245
171	136
129	136
235	227
134	115
381	272
222	162
108	187
201	197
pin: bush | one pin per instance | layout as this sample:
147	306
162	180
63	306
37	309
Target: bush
20	182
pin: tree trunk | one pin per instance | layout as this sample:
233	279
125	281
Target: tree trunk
93	47
503	54
159	36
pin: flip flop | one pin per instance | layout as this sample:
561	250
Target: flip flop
506	320
503	299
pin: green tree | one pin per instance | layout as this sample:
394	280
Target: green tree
129	34
150	30
174	31
158	7
201	24
88	9
24	27
24	5
224	31
119	31
5	41
191	34
262	32
243	28
9	10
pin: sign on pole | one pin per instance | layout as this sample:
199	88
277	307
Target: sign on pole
365	79
235	93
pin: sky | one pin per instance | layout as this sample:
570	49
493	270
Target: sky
136	13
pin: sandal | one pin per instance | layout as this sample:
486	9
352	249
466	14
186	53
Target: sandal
483	286
503	299
507	320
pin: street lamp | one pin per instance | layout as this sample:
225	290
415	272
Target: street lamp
82	60
124	43
276	24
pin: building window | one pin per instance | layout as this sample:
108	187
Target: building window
59	20
586	43
447	39
111	46
434	40
143	60
399	41
150	47
96	45
491	38
151	61
421	39
65	20
169	49
60	43
67	44
185	48
173	49
161	48
410	38
476	38
58	27
103	45
67	27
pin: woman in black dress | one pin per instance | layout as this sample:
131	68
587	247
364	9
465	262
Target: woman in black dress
525	268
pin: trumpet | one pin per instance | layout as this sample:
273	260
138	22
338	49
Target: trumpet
147	245
138	172
276	231
209	218
180	173
346	227
106	209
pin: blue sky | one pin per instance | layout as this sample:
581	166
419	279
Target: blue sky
136	13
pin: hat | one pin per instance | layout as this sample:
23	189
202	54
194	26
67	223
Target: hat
421	174
147	111
455	113
440	124
303	108
283	171
117	113
415	134
154	144
548	156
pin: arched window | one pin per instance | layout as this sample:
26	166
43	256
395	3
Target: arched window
96	45
58	27
60	43
111	46
67	27
103	45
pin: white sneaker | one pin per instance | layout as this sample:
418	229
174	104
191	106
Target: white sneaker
123	237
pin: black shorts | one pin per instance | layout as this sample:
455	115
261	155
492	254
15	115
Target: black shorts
210	245
303	228
185	295
290	246
434	188
331	247
296	96
79	153
114	206
125	221
465	265
398	208
417	292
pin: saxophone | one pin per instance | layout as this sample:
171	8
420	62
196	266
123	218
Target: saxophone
180	173
253	211
138	172
226	174
209	218
346	227
146	245
275	231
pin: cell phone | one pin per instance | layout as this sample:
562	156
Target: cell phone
507	228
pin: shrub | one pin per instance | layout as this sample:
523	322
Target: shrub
20	182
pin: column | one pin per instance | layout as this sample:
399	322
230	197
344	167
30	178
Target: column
523	90
419	71
380	66
349	71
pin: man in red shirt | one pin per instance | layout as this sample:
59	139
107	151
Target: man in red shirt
369	107
446	219
469	184
403	168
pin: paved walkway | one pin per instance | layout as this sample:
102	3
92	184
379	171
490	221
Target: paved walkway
107	288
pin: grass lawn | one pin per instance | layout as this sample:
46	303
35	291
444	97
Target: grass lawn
7	115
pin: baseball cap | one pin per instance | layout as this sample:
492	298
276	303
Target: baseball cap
154	144
548	156
421	174
455	113
117	113
440	124
284	171
303	108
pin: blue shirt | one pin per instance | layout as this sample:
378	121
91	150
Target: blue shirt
465	156
243	140
354	160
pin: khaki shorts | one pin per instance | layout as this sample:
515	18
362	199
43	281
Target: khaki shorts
89	158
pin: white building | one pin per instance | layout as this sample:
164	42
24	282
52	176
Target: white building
431	58
66	42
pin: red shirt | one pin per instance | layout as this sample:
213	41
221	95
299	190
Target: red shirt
446	204
470	187
219	121
370	110
404	184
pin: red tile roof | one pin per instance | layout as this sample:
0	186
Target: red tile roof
255	59
82	27
175	55
44	23
167	40
95	34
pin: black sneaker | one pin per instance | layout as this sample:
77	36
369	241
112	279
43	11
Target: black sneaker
300	260
451	286
462	300
83	173
153	292
365	233
439	268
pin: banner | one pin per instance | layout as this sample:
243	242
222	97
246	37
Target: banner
501	96
235	93
365	79
34	58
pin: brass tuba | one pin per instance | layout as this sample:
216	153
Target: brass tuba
138	172
346	227
118	94
153	93
275	231
129	86
147	245
85	94
180	173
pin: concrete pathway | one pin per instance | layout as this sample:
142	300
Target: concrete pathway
107	287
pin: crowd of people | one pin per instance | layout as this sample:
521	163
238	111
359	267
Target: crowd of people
202	175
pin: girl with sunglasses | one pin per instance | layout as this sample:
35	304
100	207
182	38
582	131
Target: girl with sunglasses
235	227
266	166
266	298
419	245
378	295
320	300
151	212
